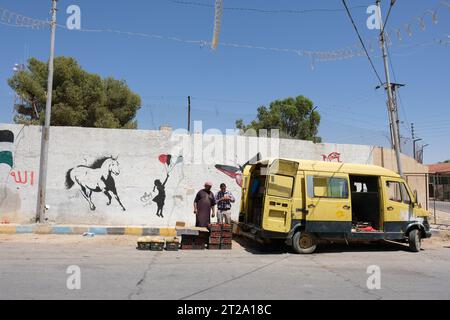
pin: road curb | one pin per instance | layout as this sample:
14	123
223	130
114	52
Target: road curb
80	230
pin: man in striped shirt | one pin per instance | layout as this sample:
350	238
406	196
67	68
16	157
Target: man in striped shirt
224	200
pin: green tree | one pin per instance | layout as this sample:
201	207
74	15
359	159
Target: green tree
294	117
80	98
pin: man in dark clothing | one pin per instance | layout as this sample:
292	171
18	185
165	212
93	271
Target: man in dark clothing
204	204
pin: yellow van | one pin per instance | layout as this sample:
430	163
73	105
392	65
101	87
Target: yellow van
305	201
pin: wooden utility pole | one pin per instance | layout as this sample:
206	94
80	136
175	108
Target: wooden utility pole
41	206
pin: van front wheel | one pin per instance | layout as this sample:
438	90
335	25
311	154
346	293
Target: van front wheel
304	243
415	240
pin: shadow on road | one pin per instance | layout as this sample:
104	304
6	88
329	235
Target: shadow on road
279	247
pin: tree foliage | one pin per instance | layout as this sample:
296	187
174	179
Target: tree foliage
79	98
294	117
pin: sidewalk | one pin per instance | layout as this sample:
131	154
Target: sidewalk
80	229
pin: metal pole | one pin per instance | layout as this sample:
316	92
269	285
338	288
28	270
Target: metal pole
41	207
434	197
189	114
390	95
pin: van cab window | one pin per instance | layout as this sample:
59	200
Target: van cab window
280	186
325	187
406	197
393	191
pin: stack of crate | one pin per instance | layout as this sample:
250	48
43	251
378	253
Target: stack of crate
226	241
191	242
220	237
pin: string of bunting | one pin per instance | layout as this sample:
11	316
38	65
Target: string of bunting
11	18
217	23
14	19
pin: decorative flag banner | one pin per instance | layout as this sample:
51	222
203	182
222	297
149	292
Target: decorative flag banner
6	147
217	23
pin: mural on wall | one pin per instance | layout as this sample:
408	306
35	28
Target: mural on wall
237	172
98	178
170	162
6	147
334	156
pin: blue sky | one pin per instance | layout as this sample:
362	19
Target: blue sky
230	83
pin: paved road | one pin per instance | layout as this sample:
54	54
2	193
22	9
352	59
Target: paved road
34	267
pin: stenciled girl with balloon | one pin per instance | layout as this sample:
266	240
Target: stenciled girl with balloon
168	161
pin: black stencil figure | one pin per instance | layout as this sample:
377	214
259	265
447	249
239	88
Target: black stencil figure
96	178
160	199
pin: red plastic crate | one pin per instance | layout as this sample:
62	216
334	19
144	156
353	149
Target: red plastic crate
226	241
214	240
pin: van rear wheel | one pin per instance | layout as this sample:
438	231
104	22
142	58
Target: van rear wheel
415	240
304	243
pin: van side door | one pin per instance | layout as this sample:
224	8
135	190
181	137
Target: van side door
328	202
280	183
397	205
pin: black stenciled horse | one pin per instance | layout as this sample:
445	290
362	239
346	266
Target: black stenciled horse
97	177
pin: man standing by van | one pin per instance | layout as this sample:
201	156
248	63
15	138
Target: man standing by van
224	199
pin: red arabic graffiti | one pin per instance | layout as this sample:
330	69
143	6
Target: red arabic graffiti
23	177
334	156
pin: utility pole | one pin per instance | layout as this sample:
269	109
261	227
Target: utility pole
41	206
395	86
311	120
391	105
189	114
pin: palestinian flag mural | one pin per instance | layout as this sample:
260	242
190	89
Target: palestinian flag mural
6	147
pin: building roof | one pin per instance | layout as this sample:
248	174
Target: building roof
439	168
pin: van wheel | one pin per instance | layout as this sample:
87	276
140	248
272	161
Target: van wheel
304	243
415	240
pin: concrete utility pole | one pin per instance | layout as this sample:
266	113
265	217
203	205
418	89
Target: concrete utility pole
391	104
41	207
189	114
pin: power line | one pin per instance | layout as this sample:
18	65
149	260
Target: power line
258	10
388	15
361	41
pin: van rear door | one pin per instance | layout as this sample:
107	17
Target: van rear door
246	176
278	200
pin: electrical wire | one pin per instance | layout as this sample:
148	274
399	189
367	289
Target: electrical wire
258	10
387	17
362	42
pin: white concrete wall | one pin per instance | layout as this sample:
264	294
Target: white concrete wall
138	153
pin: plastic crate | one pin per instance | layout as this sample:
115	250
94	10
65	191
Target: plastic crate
227	227
226	234
215	234
214	240
144	246
157	246
226	241
172	246
215	227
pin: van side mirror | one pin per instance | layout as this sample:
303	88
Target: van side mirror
416	197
